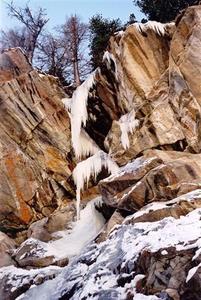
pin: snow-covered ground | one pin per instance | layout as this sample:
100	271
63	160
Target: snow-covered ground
96	273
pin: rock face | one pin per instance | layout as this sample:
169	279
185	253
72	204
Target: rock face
149	82
35	144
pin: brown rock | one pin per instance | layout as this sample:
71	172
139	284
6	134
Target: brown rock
6	246
116	219
175	208
12	64
159	181
35	145
59	220
33	254
168	273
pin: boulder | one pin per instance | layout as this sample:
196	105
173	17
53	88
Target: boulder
159	181
175	208
35	254
116	219
57	221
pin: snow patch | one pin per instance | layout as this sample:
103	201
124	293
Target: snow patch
191	272
92	166
17	276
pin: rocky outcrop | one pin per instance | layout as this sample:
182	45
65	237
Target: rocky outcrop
18	281
147	90
151	178
35	147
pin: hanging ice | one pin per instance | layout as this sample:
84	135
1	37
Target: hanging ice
127	124
110	61
81	145
92	166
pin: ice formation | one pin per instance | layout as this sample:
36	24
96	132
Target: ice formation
109	59
86	145
127	124
79	116
92	166
157	27
67	104
70	243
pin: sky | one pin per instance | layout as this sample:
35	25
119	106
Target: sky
57	10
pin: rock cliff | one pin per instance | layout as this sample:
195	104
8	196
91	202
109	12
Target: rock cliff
35	147
137	117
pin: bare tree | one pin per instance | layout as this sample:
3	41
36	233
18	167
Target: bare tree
62	54
34	24
74	34
53	57
14	38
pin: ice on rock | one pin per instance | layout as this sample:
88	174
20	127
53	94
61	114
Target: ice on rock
109	58
128	124
83	231
92	166
157	27
79	115
110	62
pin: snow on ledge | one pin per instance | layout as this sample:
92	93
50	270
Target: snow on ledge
191	196
157	27
191	272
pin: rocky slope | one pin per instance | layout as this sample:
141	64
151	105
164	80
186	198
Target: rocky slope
137	117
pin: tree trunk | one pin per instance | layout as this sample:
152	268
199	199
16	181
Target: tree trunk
76	73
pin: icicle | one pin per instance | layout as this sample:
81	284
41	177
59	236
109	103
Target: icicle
127	124
79	117
109	58
92	166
